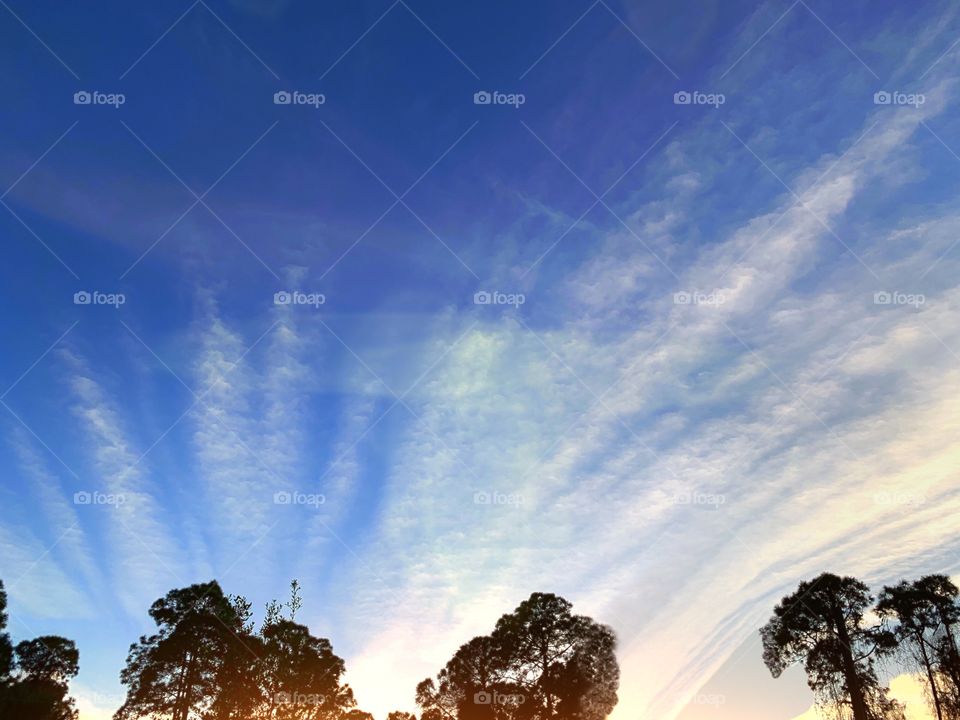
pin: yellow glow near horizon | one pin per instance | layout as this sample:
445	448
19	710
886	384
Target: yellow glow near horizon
908	689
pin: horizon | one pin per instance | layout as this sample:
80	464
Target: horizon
433	306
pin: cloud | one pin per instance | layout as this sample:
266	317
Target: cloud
60	515
144	557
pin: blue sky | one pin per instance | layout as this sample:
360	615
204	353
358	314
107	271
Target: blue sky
700	400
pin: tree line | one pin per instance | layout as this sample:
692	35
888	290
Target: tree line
844	636
209	660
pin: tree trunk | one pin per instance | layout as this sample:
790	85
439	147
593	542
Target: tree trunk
545	664
930	677
953	661
854	686
186	700
181	684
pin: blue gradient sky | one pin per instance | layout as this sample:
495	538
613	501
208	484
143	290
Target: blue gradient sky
672	468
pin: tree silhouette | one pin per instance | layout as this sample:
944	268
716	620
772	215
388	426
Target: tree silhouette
34	675
174	672
206	662
301	674
401	715
540	662
6	647
925	611
238	685
822	625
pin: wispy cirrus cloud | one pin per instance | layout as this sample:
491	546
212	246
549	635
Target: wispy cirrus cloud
144	555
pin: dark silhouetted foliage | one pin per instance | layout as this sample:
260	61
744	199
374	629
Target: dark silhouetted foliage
540	662
206	662
822	626
924	613
35	675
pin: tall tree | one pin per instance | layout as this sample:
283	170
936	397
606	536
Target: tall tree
541	662
822	625
174	672
926	611
35	675
400	715
916	627
44	667
941	595
301	675
206	662
238	683
6	647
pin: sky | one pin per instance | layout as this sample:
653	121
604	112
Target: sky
433	305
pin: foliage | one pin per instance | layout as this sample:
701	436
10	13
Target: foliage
540	662
35	675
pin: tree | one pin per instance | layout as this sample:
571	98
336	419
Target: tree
540	662
565	662
941	596
301	675
174	672
917	625
239	687
35	675
355	714
44	667
822	625
6	647
207	662
400	715
925	611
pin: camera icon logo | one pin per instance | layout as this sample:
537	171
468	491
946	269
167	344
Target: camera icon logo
82	298
82	498
681	298
882	298
482	698
481	498
82	97
282	97
482	298
482	98
882	98
682	98
282	298
282	498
